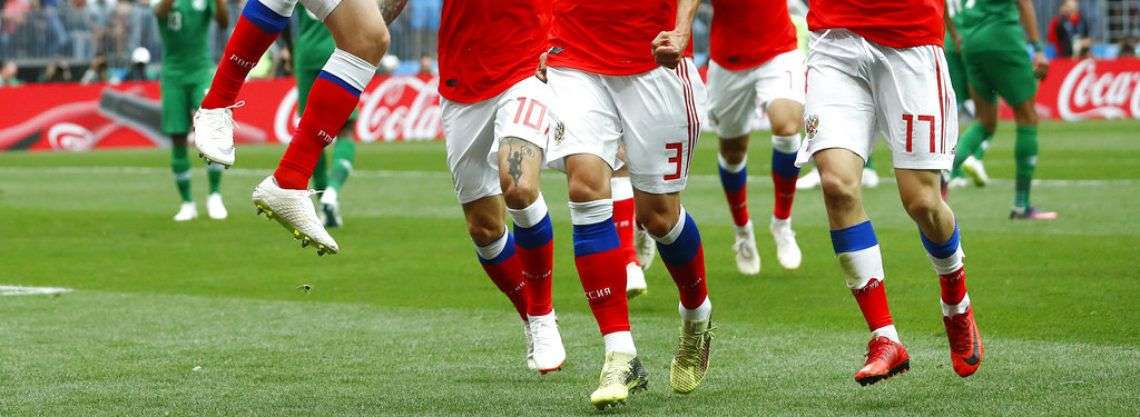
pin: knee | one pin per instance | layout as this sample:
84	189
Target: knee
734	150
989	124
923	207
785	127
582	189
656	219
369	42
518	195
484	229
1025	117
839	189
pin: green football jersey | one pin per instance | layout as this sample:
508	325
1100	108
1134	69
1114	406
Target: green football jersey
991	25
185	47
314	41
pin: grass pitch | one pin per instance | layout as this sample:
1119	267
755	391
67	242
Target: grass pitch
207	318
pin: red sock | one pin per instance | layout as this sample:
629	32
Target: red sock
330	105
249	41
507	275
537	269
623	220
953	286
738	205
872	301
603	278
690	280
785	194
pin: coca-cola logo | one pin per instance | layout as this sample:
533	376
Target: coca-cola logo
399	108
70	137
1087	94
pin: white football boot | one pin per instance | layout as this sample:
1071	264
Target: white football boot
215	208
645	246
634	281
787	250
747	258
974	169
186	212
295	211
870	178
330	209
530	364
546	348
214	134
808	181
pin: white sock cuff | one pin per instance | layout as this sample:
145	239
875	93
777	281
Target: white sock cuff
953	310
281	7
948	264
320	8
675	232
861	266
701	313
889	331
352	69
621	188
733	168
620	342
493	250
531	215
591	212
786	144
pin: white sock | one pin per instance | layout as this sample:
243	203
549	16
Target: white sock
620	342
888	332
531	215
701	313
733	168
621	188
955	309
493	250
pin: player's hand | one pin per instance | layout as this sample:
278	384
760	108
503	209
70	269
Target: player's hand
669	48
540	72
1040	65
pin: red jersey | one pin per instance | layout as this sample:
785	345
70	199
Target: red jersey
486	46
610	37
748	33
893	23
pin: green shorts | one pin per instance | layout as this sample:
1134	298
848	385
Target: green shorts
1008	74
305	79
181	96
956	66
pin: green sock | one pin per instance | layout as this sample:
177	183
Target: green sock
967	145
321	173
214	173
180	165
344	153
981	152
1025	152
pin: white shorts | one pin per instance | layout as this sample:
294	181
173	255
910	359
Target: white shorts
655	115
473	131
857	89
736	98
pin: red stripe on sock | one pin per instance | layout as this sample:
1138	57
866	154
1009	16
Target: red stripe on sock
785	193
872	301
328	109
953	286
690	280
603	278
537	270
623	221
738	205
507	275
246	46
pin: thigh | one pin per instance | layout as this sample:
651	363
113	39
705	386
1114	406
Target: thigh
176	107
526	111
468	130
588	121
782	77
839	109
978	77
732	100
917	111
1013	77
660	126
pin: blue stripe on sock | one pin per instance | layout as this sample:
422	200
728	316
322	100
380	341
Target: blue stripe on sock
535	236
851	239
507	253
338	81
682	250
784	164
733	181
595	238
264	17
944	250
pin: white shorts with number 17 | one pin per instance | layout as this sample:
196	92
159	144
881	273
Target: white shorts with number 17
857	89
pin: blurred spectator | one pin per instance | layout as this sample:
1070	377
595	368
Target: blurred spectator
8	74
1069	31
424	20
388	64
140	58
56	72
1127	48
427	66
97	73
56	32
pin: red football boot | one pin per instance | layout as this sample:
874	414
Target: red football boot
966	349
885	358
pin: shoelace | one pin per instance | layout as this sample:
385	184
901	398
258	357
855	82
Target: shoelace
689	350
877	350
743	249
539	332
616	373
960	327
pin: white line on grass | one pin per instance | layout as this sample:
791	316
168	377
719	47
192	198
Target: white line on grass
19	290
94	170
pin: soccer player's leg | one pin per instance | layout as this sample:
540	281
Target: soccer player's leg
983	92
633	245
840	126
521	131
587	151
781	88
732	106
1016	84
260	23
959	80
343	157
176	123
215	206
362	38
469	132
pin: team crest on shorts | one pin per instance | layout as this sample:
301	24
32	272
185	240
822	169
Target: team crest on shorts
559	132
811	126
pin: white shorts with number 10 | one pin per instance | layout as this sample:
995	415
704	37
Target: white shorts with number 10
655	115
473	132
857	89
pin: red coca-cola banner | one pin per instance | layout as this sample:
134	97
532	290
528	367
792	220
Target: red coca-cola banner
1089	89
77	117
